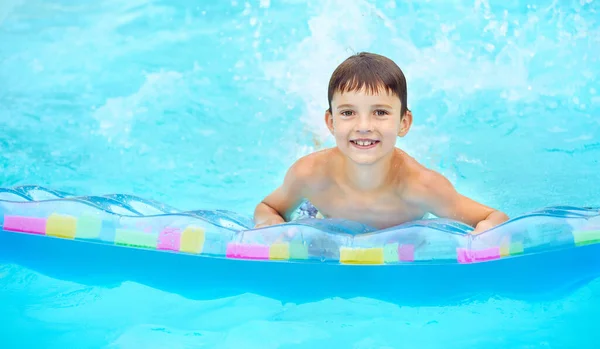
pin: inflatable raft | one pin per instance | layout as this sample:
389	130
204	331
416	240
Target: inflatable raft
40	222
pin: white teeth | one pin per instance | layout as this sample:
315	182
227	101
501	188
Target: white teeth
364	143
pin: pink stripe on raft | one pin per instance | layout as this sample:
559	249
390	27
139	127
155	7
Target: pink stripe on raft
406	253
21	224
247	251
169	239
467	256
487	254
463	255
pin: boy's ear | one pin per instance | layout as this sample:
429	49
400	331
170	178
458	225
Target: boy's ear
405	123
329	120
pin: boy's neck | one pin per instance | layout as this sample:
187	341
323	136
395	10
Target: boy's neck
369	177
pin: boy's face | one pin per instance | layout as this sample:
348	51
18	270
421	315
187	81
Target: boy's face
365	125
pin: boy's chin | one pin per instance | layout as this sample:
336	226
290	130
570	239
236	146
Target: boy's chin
364	159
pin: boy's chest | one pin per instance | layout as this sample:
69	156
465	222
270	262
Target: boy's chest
380	211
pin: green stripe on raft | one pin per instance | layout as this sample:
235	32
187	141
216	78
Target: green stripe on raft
516	248
510	248
134	238
298	250
390	253
88	227
586	237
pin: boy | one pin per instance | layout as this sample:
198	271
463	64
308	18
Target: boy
365	178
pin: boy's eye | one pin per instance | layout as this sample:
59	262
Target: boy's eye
346	113
381	112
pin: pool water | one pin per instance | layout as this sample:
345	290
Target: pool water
205	106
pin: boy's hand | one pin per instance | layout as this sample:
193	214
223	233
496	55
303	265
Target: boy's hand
269	222
493	219
287	197
435	194
483	226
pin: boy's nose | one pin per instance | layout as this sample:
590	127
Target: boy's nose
364	125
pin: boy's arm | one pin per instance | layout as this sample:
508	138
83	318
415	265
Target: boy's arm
438	196
277	206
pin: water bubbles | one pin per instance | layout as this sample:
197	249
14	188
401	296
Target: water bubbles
247	9
447	28
36	66
556	129
503	29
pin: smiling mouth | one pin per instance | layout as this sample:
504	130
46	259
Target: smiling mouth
364	143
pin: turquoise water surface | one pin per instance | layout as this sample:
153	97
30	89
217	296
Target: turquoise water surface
203	105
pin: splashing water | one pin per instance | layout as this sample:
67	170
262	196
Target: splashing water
205	106
208	105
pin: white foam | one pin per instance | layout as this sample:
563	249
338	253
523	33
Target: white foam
307	65
7	7
474	49
118	115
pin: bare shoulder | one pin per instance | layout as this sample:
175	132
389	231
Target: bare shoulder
421	183
310	165
434	193
311	170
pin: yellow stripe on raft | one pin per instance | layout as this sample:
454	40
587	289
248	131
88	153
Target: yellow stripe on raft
62	226
510	248
505	247
279	251
373	255
192	240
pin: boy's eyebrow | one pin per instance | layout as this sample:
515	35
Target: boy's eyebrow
383	106
374	106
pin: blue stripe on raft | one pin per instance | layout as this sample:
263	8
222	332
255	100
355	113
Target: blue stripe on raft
411	283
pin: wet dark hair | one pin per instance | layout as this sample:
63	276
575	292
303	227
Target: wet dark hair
370	71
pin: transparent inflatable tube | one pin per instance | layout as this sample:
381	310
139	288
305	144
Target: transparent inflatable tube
115	238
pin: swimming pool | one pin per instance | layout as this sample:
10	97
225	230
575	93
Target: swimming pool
204	106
